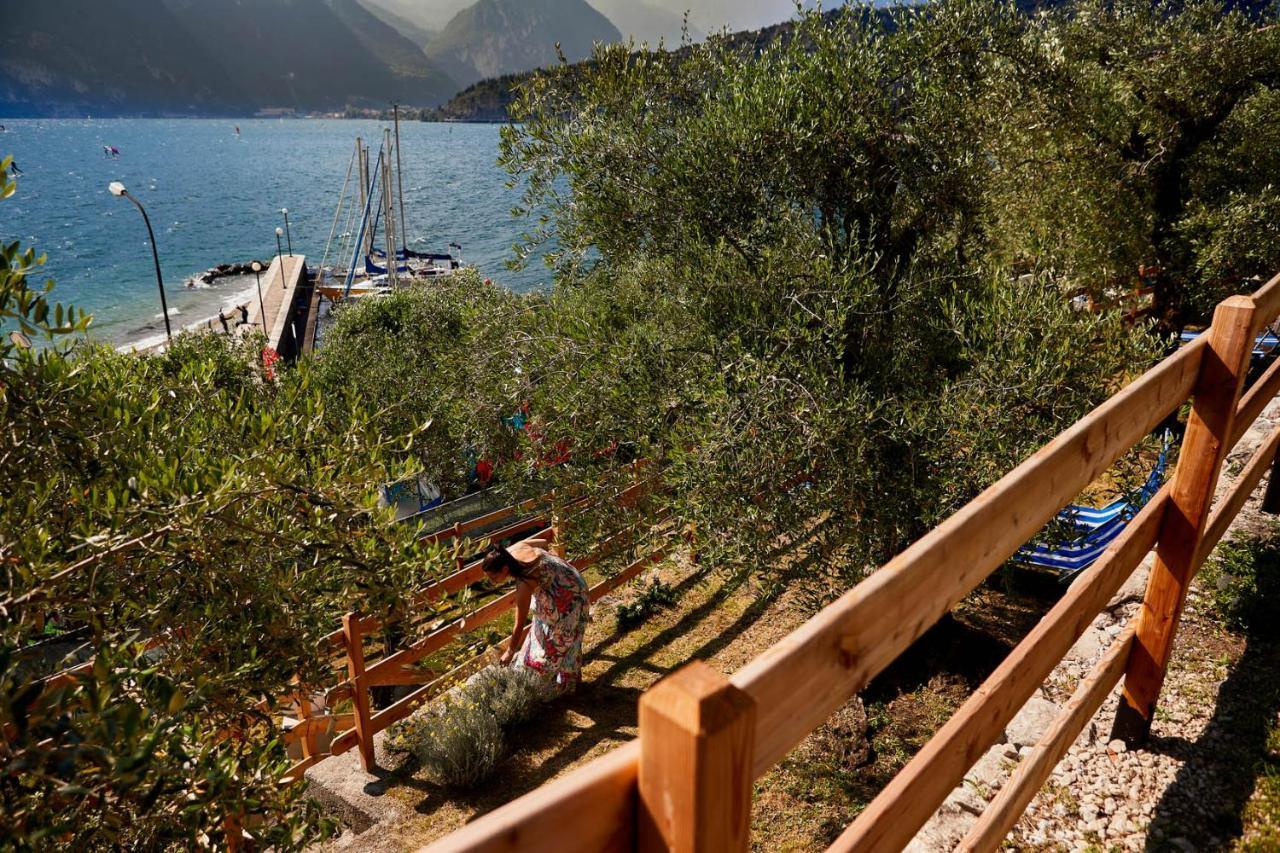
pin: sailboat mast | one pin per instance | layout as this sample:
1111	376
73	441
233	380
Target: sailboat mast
393	259
404	223
362	154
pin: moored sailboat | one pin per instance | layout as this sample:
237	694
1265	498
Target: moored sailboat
372	208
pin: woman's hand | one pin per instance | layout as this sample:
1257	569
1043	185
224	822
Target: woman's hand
508	655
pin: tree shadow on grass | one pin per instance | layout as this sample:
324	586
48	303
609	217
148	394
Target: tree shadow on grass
1205	806
602	713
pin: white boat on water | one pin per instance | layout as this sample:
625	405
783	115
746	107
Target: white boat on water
337	290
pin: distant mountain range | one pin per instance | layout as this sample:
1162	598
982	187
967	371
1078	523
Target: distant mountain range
206	57
646	22
496	37
237	57
418	33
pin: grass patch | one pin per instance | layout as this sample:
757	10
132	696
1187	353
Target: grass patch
1262	814
1242	584
1242	579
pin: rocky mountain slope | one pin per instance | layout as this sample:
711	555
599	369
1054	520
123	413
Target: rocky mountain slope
496	37
65	57
202	57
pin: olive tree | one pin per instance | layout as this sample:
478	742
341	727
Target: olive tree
774	269
193	527
1139	140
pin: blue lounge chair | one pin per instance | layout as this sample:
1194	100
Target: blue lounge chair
1093	528
1265	344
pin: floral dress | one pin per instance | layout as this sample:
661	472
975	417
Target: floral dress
559	616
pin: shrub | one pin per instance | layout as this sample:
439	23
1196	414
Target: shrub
460	742
511	694
657	596
182	498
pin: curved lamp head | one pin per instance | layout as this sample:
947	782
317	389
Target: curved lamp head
255	266
117	189
279	232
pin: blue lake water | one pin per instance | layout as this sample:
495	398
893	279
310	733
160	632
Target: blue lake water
215	198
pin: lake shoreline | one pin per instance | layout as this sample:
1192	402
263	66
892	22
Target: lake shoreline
215	196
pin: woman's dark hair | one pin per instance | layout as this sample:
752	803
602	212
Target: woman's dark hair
497	558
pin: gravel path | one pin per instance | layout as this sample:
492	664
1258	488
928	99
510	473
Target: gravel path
1186	790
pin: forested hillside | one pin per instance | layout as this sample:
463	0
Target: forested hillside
490	100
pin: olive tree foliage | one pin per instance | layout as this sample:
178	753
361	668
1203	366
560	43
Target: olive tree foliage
1142	135
772	270
438	355
194	528
858	129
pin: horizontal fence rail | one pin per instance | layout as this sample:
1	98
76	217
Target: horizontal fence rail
685	782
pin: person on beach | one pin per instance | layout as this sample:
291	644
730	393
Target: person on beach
244	315
561	610
222	318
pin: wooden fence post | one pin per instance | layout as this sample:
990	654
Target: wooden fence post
233	829
697	733
1205	445
556	545
354	641
304	717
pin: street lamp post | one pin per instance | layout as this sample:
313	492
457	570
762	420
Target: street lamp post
262	309
117	189
280	254
287	233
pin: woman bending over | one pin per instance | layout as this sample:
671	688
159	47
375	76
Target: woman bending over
561	610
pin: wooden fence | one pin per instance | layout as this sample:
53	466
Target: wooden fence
685	783
313	719
316	732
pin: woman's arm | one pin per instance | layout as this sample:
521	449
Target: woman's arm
524	592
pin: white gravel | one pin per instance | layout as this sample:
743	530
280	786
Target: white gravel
1101	795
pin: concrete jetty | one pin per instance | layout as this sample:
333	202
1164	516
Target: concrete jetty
286	299
289	301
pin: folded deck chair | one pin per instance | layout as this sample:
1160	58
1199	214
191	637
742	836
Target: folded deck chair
1265	344
1093	528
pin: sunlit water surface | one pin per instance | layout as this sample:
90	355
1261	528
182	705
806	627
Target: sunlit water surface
215	197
